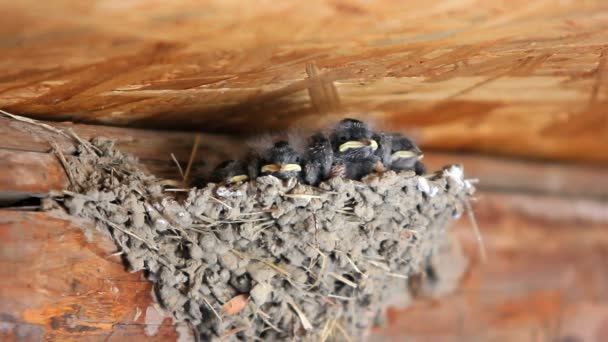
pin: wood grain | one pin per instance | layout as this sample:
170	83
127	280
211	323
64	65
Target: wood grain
519	78
30	168
56	284
544	280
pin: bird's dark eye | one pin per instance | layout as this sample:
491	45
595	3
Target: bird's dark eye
342	138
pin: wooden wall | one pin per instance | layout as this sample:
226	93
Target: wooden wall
519	78
517	91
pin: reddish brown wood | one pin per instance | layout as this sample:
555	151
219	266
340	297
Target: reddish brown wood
27	166
30	172
57	285
153	148
545	279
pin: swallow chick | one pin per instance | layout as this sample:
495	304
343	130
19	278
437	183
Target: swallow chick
318	159
280	160
399	153
354	149
230	172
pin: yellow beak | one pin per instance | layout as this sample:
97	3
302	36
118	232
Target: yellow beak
237	178
277	168
358	144
406	154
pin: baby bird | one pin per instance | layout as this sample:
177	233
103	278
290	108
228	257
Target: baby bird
319	159
230	172
280	160
399	153
354	149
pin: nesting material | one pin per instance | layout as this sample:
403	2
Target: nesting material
269	259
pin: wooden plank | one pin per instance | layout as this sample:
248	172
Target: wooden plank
544	279
30	172
56	284
526	176
519	78
150	146
29	168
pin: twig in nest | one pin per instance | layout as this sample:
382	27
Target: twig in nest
179	167
221	202
90	147
340	297
379	265
301	196
64	163
482	246
346	337
265	318
344	280
323	265
197	139
305	322
397	275
234	331
34	122
328	329
212	309
352	263
133	235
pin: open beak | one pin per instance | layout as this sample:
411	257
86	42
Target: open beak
358	144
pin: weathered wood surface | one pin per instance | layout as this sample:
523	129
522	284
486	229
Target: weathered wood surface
521	78
29	166
57	285
154	148
545	279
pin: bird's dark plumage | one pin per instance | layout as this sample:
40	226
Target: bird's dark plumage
319	159
230	171
280	160
354	148
399	153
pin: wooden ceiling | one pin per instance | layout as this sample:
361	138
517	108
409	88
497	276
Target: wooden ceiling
518	78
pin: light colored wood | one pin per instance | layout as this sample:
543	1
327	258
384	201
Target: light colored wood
520	78
56	285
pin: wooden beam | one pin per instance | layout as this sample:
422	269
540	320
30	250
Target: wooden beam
544	278
29	168
58	283
520	78
30	172
525	175
26	153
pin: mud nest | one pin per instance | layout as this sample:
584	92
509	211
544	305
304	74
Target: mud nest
268	259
